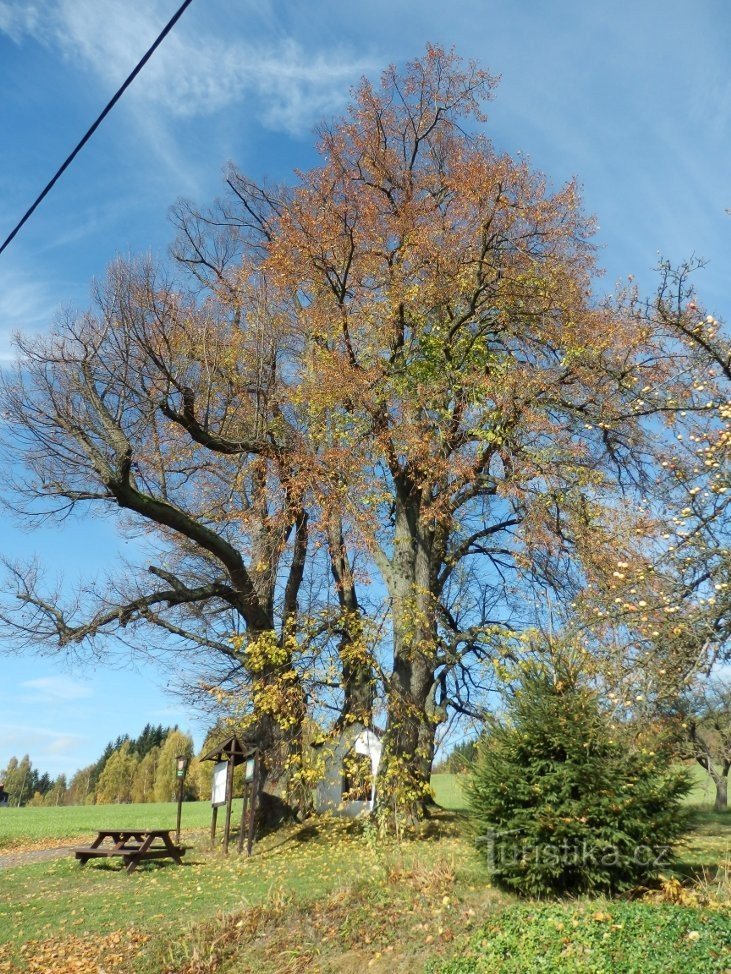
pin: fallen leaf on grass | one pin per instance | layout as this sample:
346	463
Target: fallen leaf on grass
77	955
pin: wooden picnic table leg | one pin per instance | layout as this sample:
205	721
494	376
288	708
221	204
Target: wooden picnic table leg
133	858
120	838
171	848
100	836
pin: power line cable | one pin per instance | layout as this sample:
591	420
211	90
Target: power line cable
69	159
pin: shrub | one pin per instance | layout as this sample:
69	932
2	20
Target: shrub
563	803
613	938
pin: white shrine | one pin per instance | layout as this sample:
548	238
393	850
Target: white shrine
348	785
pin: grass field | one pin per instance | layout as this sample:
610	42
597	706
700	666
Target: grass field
449	793
33	826
326	896
28	827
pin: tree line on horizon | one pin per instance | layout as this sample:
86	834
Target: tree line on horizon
133	770
130	769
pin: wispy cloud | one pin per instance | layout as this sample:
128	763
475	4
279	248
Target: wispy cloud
50	750
17	19
192	74
58	688
26	304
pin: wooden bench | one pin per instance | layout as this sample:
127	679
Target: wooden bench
133	846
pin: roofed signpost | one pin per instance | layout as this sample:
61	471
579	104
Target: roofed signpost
227	756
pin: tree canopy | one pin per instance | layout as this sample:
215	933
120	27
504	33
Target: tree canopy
367	423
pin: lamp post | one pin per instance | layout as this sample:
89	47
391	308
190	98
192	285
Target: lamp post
181	766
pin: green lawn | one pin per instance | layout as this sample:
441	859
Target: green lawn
413	900
36	825
27	826
61	898
306	862
448	791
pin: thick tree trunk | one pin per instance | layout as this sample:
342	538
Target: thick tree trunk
721	803
357	669
276	729
404	776
277	801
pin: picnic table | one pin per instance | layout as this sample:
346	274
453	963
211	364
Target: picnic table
133	846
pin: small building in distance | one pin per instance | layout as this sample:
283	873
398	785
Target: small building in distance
348	784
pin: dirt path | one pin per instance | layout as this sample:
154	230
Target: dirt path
11	859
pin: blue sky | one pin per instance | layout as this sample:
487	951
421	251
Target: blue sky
633	98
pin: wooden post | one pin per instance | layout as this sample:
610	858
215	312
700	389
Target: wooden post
180	809
243	817
229	798
213	826
254	795
181	766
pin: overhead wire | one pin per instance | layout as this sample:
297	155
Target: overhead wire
107	109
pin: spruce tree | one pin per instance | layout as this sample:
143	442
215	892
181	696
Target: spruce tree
563	800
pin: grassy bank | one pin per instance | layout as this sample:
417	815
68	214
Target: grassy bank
310	895
328	896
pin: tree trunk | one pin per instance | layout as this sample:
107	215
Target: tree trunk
404	775
275	806
721	803
279	711
357	667
403	778
357	679
719	776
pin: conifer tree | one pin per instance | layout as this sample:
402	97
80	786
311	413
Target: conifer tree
563	800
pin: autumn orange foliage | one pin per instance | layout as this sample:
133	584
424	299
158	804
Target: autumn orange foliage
379	418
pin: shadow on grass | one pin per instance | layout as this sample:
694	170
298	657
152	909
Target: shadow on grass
310	831
705	815
705	854
444	823
151	865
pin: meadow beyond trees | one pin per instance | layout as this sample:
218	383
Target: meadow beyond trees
369	425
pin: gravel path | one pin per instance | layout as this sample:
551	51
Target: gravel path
33	855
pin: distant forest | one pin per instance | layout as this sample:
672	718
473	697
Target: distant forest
130	769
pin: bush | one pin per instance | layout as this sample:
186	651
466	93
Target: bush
562	802
614	938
